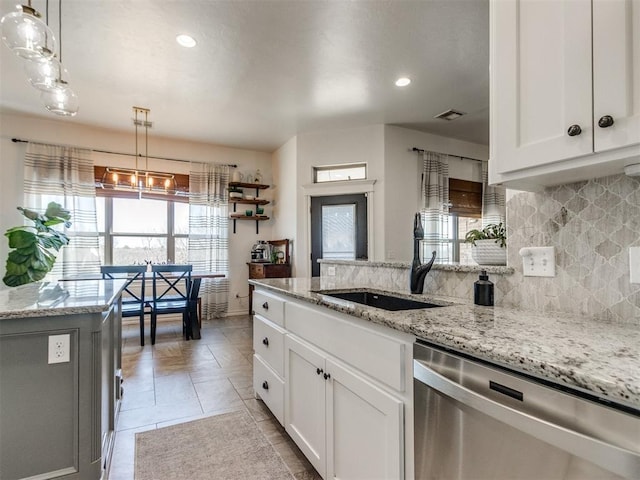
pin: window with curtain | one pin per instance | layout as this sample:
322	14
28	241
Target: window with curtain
493	200
65	175
465	213
135	231
435	207
208	248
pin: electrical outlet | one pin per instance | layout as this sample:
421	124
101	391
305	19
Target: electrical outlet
59	348
331	271
538	261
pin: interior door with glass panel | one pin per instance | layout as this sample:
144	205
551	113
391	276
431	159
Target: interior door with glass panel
338	229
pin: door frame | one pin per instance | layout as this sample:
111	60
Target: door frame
338	188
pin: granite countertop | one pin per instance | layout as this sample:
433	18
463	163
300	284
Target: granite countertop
45	299
597	357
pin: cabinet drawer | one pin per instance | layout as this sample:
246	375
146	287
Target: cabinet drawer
256	270
373	353
268	343
269	306
269	387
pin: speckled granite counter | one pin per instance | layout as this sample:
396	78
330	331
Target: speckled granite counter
45	299
597	357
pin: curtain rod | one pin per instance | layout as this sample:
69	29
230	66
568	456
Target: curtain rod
19	140
421	150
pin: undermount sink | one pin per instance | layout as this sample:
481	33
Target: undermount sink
379	300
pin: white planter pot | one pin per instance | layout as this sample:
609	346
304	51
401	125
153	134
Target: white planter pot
488	252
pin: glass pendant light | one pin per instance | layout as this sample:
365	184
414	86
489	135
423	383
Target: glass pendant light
43	74
27	35
61	100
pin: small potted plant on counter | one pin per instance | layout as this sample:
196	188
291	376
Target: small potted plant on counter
489	245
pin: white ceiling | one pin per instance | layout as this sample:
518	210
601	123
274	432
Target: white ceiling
265	70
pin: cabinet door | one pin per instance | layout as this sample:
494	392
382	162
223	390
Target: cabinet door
364	428
540	82
304	405
616	72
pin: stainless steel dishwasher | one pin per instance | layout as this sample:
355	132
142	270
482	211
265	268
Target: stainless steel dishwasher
478	421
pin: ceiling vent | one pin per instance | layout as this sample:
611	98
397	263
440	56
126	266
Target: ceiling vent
450	115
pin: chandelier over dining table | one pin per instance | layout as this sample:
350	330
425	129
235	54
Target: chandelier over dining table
138	179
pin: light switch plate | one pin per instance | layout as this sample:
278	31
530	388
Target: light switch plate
538	261
634	264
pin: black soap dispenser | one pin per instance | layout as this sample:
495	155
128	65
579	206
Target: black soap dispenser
483	290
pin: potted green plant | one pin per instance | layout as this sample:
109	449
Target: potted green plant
489	245
33	246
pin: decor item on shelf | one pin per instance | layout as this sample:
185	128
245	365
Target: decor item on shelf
249	178
259	211
33	257
258	177
489	245
248	213
31	39
237	176
140	180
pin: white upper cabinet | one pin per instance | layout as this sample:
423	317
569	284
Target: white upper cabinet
616	80
565	90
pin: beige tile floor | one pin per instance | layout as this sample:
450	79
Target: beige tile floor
177	381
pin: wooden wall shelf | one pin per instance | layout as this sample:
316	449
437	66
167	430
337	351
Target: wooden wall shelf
257	186
243	201
248	202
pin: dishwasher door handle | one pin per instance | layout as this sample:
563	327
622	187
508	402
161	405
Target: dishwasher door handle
610	457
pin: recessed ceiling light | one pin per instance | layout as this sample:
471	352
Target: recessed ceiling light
450	115
186	40
403	82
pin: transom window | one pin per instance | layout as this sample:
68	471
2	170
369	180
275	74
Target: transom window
338	173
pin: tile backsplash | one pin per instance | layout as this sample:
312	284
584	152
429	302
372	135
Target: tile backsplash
591	224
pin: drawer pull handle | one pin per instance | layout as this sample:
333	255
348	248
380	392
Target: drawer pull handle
265	385
319	371
605	121
265	305
327	376
265	341
574	130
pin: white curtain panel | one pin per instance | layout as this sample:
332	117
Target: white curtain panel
209	233
435	206
65	175
493	200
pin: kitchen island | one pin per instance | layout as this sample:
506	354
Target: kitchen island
598	358
60	375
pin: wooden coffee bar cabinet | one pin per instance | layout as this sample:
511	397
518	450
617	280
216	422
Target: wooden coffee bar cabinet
280	269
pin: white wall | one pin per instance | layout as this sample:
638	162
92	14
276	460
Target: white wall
402	173
355	145
62	131
285	206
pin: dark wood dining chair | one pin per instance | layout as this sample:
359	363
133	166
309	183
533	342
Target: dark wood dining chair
133	300
171	291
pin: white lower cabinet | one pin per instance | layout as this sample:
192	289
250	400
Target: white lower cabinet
268	365
345	425
341	386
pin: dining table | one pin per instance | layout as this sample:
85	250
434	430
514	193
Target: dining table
194	289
